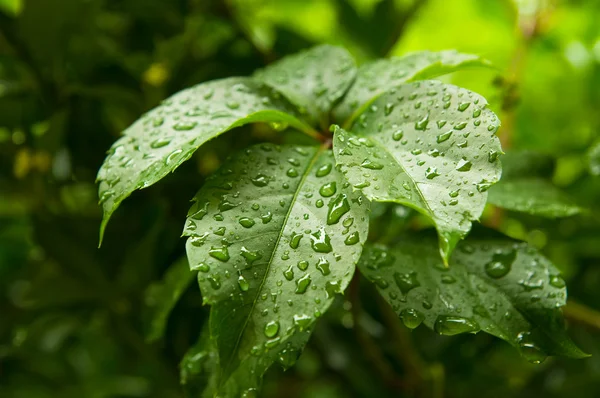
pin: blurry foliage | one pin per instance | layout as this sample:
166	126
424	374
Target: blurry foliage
74	74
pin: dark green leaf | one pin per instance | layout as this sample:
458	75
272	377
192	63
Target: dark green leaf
533	196
275	234
313	80
429	146
503	288
374	78
162	296
168	135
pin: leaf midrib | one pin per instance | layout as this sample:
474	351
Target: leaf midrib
280	235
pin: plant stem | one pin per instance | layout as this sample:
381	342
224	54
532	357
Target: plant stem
582	314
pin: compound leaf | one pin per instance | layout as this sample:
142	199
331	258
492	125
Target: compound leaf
374	78
168	135
274	235
427	145
500	287
533	196
314	79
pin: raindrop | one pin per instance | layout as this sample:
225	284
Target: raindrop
431	173
328	189
220	253
411	318
444	137
159	143
406	282
295	240
260	180
320	241
323	266
337	208
352	239
422	124
246	222
323	170
271	329
243	284
302	265
450	325
184	126
464	165
302	284
371	164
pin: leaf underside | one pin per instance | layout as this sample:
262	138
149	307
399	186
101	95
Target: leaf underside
376	77
504	288
427	145
275	234
168	135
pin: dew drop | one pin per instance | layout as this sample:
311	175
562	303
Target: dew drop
450	325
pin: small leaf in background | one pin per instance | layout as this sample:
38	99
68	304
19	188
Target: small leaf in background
504	288
313	80
427	145
275	234
161	297
376	77
11	7
532	196
168	135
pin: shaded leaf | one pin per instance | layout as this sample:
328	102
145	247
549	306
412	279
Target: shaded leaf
275	234
594	159
429	146
374	78
161	297
168	135
313	79
501	287
532	196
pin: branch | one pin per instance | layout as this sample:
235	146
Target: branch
582	314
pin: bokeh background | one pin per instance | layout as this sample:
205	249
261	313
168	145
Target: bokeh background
78	321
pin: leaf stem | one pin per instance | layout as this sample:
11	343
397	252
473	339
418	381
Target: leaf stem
582	314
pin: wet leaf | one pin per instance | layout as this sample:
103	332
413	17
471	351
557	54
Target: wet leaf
374	78
168	135
314	79
429	146
500	287
532	196
162	296
272	250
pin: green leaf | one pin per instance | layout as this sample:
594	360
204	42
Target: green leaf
429	146
594	159
503	288
374	78
199	367
314	80
161	297
533	196
168	135
11	7
275	234
200	371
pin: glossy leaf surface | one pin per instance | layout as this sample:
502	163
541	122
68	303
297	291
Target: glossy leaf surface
429	146
374	78
500	287
314	79
168	135
274	234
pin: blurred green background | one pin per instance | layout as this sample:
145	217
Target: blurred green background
77	321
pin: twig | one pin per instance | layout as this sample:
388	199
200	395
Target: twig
582	314
370	348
